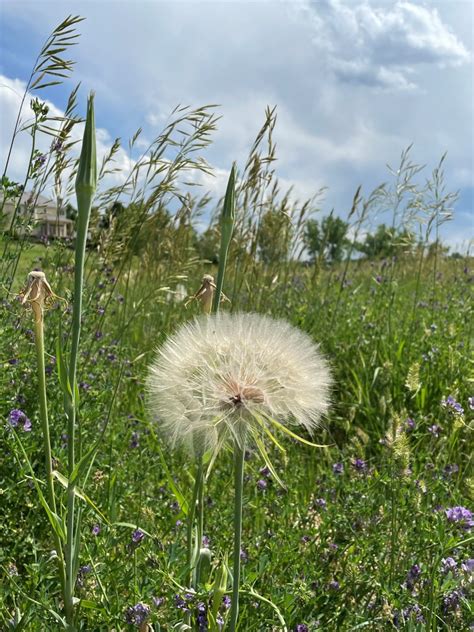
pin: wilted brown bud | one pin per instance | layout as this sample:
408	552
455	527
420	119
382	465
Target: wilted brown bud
205	294
38	293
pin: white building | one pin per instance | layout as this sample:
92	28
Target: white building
36	211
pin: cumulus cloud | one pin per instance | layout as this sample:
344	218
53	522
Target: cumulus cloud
11	94
382	46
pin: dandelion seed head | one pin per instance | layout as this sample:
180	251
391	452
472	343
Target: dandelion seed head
220	375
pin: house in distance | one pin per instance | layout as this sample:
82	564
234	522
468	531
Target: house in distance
39	217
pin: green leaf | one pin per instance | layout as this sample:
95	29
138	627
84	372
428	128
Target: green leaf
295	436
80	494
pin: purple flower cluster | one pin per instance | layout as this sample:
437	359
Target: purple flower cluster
451	404
338	468
359	465
138	614
451	601
460	516
17	417
413	576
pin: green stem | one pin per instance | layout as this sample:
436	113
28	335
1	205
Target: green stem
43	402
239	453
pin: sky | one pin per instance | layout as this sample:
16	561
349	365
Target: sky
355	83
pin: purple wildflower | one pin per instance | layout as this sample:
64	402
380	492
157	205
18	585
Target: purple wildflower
468	566
158	601
137	537
95	529
451	600
451	404
409	424
17	417
301	627
471	402
180	603
138	614
338	468
134	441
359	465
320	502
226	602
262	484
448	565
244	555
460	516
334	585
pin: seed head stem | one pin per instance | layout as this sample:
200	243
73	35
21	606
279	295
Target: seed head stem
239	462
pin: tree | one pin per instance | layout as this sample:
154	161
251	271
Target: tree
208	245
274	236
387	242
326	240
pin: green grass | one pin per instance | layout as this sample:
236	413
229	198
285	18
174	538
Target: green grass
375	523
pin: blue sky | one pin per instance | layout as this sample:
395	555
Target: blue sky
355	82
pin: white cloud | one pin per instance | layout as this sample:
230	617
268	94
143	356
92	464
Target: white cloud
381	46
11	94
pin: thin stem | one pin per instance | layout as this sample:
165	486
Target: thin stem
239	453
43	402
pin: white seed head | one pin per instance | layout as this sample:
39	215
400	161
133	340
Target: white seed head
220	374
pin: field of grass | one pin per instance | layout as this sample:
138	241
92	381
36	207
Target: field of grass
360	536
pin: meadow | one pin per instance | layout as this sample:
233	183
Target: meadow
372	531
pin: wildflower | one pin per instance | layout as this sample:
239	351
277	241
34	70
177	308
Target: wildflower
359	465
334	585
409	424
261	484
135	440
301	627
158	601
448	565
338	468
434	430
138	614
468	566
95	529
451	404
17	417
222	375
137	537
226	602
320	502
460	516
451	600
471	402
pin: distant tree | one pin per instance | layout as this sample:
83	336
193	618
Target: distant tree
208	244
436	248
327	240
274	236
387	242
